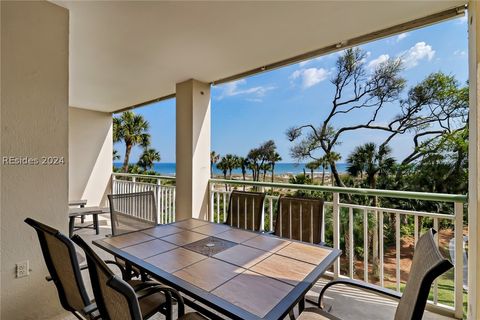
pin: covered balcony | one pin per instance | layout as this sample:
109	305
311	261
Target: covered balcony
67	66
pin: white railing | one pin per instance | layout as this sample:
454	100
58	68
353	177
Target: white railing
162	186
346	216
347	223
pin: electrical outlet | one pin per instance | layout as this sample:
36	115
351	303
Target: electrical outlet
23	269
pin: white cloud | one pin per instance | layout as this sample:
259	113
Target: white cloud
236	88
310	76
459	53
401	36
305	62
373	64
463	19
418	52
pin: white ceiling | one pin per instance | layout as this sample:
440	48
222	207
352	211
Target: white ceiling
124	53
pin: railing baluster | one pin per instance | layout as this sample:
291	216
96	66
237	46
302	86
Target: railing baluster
270	207
365	245
336	231
458	288
435	282
350	241
397	246
380	226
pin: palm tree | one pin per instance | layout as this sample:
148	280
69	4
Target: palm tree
148	157
323	161
370	160
312	165
243	165
223	165
133	130
373	161
214	157
265	167
232	163
274	159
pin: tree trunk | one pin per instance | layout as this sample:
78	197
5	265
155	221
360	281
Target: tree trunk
273	175
311	173
323	175
334	172
128	149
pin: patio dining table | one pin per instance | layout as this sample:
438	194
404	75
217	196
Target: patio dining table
240	274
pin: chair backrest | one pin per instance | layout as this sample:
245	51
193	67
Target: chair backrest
428	263
299	219
115	298
245	210
62	264
132	211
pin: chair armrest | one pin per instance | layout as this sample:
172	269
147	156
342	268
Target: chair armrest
169	293
122	269
350	282
90	308
145	285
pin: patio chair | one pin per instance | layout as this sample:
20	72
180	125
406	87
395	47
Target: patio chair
117	300
428	264
62	264
299	219
132	212
245	210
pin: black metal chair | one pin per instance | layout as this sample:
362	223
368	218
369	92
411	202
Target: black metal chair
245	210
428	264
299	219
117	300
132	212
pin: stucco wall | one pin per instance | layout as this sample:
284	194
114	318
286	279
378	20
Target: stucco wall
90	154
34	124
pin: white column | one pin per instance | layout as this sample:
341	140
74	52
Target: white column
33	124
192	149
90	150
473	176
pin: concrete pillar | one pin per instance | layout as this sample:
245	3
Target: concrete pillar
34	130
90	151
474	156
192	149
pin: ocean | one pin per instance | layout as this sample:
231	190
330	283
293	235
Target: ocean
166	168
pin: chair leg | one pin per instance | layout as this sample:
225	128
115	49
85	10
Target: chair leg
291	314
95	223
71	224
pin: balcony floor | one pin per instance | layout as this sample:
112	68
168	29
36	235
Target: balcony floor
349	303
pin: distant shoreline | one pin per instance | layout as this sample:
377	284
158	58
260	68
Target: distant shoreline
282	168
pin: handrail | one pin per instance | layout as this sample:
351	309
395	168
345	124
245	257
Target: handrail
147	176
429	196
444	197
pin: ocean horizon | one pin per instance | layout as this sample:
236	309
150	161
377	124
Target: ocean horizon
169	168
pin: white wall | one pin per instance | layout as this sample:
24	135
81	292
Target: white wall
90	153
34	123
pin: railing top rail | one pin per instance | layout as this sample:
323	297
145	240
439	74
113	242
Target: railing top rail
443	197
148	176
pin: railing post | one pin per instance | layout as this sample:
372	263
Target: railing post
158	190
134	186
336	231
210	209
114	184
458	289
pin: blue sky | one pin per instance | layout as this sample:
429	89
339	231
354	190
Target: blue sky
250	111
